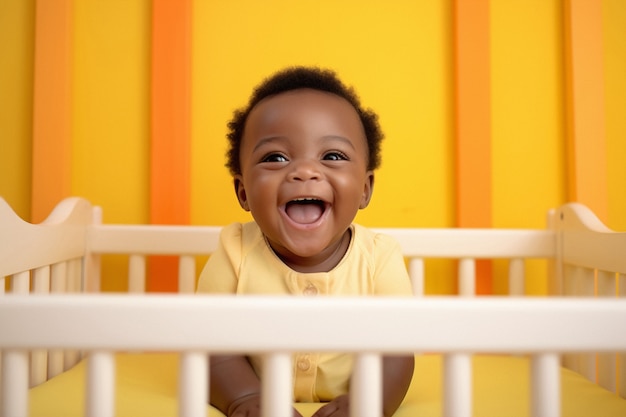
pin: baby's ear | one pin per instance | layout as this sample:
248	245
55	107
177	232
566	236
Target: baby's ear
241	192
368	189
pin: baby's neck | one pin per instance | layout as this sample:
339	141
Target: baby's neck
323	262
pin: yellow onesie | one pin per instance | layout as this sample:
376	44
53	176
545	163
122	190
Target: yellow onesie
245	264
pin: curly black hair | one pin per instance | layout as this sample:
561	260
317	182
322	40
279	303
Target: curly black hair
294	78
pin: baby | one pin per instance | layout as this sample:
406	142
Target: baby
302	155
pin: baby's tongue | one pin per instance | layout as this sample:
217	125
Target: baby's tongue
304	213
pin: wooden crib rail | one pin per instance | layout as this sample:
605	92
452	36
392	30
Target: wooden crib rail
140	241
198	326
44	258
468	245
171	322
61	237
591	262
586	242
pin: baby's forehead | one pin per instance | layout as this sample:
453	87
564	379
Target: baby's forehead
303	100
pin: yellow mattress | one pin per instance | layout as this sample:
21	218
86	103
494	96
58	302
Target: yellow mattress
147	385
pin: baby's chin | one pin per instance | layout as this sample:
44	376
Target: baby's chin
308	253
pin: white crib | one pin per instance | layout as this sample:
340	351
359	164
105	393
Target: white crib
52	315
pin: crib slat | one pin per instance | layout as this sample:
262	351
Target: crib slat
607	284
100	391
467	277
20	283
58	285
193	386
416	273
366	386
93	260
58	277
137	274
55	362
70	358
545	385
39	357
186	274
14	394
580	282
276	385
73	285
607	371
76	274
38	367
607	362
41	280
516	277
457	392
621	370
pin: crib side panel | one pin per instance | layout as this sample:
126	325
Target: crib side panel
467	246
139	242
171	322
588	243
61	237
41	259
591	259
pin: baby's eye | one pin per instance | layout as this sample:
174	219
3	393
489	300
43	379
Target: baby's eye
335	156
274	157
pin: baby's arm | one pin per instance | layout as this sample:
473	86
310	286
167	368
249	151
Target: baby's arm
234	384
397	374
235	388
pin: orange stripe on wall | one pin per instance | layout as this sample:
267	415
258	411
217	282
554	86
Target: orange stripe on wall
473	122
51	166
586	110
171	127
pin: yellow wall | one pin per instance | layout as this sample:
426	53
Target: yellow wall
111	98
614	14
399	56
16	90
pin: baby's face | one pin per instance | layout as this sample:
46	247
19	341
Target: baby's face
304	172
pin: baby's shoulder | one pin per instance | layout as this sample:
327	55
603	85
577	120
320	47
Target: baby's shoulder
372	240
240	236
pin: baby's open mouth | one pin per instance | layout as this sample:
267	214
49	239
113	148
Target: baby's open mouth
305	210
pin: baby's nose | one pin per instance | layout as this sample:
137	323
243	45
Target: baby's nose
305	171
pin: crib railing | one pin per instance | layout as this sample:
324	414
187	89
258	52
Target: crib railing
62	255
139	242
459	328
592	264
43	259
187	242
469	245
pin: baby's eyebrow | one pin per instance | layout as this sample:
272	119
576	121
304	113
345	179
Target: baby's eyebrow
268	140
274	139
339	138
